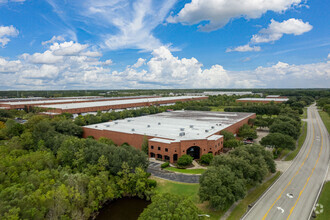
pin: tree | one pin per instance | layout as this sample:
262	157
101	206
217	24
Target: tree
278	140
227	135
145	145
206	158
247	132
185	160
284	128
169	206
232	143
221	187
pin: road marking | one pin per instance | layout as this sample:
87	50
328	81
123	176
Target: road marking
294	174
291	210
279	208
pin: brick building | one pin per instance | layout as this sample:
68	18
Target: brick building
262	100
173	134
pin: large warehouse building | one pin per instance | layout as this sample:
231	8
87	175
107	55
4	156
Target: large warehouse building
64	100
77	108
262	100
173	134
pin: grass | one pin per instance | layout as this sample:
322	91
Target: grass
189	171
326	119
325	201
301	141
304	115
189	190
252	197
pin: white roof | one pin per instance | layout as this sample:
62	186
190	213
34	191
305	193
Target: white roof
115	102
42	102
264	99
190	124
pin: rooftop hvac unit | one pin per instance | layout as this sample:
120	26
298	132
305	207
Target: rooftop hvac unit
159	123
107	126
191	126
148	126
116	122
212	127
206	130
181	129
182	134
129	120
95	126
133	129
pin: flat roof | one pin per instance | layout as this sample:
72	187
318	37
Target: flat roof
116	102
70	99
263	99
176	125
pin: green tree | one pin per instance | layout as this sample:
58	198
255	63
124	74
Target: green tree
278	140
284	128
185	160
232	143
145	145
227	135
206	158
221	187
247	132
169	206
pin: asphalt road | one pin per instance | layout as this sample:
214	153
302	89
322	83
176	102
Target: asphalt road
293	195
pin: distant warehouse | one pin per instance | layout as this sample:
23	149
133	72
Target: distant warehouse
173	134
84	107
63	100
262	100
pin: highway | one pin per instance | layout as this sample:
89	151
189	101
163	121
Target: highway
294	194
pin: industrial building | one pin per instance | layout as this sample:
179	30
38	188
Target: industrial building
262	100
63	100
84	107
173	134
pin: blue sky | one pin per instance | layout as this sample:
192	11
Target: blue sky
122	44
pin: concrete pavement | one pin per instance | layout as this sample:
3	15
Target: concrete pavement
293	195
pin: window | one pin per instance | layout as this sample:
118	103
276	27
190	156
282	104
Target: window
152	147
166	150
158	148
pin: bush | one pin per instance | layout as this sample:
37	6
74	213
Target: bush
206	158
152	183
164	165
185	160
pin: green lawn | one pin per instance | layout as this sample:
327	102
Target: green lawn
325	201
326	119
189	171
189	190
241	208
301	141
304	115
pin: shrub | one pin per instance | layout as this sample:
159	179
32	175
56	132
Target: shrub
152	183
206	158
164	165
185	160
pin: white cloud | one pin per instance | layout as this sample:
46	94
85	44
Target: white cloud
5	33
54	39
162	70
275	30
219	12
67	48
244	48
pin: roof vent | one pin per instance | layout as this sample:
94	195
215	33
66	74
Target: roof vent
129	120
95	126
148	126
107	126
212	127
206	130
159	123
133	129
116	122
191	126
181	129
182	134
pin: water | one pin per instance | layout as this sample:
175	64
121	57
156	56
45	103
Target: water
123	209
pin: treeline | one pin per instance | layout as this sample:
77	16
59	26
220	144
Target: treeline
324	103
226	179
48	172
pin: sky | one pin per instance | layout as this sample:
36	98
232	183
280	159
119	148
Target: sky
157	44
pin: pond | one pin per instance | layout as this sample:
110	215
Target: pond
123	209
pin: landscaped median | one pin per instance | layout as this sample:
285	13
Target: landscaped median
252	197
186	171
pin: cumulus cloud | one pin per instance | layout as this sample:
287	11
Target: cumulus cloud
276	30
162	70
244	48
217	13
5	33
54	39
